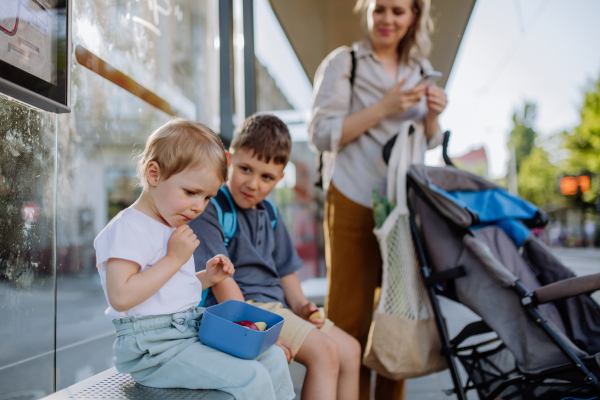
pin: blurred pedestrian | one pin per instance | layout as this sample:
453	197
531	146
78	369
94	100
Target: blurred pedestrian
589	228
555	234
362	95
540	234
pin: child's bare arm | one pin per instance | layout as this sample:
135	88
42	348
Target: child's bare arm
297	301
293	292
228	289
126	288
217	269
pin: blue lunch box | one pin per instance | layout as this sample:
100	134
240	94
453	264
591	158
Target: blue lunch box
217	329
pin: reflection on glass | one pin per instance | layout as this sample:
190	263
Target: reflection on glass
167	48
122	189
26	249
296	198
96	180
283	89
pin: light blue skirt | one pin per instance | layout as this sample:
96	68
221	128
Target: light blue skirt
164	351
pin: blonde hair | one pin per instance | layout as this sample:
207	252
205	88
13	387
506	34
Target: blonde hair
416	44
180	144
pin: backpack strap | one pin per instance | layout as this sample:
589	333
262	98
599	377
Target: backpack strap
273	212
227	218
319	182
226	213
352	71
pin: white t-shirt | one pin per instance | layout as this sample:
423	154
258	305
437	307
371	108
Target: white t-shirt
134	236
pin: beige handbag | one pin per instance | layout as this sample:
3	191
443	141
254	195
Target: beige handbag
403	340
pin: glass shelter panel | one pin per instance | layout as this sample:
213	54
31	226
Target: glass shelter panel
167	48
283	89
27	154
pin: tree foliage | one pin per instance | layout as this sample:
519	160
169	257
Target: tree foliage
536	175
537	178
523	136
584	141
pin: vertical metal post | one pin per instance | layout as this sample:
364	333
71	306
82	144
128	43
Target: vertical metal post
597	237
226	70
249	82
54	256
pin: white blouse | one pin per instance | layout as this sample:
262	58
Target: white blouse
357	167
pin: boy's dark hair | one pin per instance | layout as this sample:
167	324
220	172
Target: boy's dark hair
266	135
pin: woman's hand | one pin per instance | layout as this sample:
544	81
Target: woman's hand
397	101
436	101
182	244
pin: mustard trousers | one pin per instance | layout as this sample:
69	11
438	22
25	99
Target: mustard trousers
354	272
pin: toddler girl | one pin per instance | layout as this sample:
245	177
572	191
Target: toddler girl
144	257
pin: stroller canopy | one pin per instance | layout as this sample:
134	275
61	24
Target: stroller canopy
477	203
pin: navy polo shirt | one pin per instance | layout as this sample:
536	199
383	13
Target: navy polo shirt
260	254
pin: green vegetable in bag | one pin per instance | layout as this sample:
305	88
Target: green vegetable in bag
381	208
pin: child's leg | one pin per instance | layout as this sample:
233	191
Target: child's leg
319	354
349	352
330	355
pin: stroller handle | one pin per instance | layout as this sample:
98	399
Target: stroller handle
447	159
567	288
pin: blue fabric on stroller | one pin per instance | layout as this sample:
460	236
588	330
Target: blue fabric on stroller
496	207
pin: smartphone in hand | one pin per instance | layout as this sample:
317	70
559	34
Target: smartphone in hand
430	78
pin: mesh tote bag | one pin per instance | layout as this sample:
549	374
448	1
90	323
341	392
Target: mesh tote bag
403	340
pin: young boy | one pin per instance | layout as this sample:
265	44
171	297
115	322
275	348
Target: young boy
266	261
144	257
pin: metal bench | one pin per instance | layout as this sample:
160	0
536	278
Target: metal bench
110	384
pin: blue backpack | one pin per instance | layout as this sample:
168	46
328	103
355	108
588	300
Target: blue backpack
228	219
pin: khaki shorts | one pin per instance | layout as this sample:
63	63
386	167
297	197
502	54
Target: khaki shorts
295	329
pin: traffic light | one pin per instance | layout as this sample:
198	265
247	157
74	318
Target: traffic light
572	185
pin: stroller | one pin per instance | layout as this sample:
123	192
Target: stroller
474	247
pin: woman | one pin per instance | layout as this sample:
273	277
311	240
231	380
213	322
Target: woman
352	122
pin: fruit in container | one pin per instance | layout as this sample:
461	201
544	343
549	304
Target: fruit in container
261	326
247	324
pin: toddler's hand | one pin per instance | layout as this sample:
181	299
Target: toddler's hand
307	310
218	268
182	244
